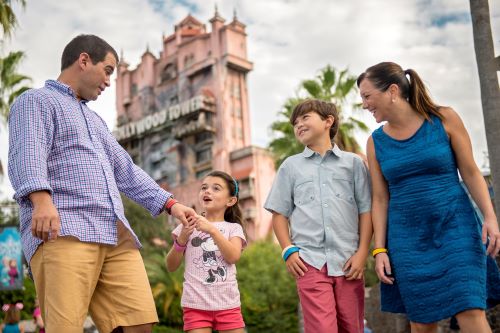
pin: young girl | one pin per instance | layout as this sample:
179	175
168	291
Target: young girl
211	244
12	318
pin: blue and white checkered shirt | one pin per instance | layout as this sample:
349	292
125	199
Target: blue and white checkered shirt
58	144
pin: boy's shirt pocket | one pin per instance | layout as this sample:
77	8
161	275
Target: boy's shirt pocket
303	192
342	189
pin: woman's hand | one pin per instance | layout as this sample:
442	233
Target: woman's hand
490	230
383	268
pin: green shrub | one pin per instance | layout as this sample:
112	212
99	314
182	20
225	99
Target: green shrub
268	293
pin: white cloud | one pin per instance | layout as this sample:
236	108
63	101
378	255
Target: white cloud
288	41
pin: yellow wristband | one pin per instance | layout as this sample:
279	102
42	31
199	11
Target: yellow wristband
379	250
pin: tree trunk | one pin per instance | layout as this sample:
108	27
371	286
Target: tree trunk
490	92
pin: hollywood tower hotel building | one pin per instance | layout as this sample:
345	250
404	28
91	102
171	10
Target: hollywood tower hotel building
186	113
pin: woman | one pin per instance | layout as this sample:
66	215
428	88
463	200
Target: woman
429	246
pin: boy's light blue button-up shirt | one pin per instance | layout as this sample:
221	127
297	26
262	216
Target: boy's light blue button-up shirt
322	197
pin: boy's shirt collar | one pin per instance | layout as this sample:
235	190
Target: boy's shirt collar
308	152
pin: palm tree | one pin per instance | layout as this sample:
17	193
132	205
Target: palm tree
8	19
488	66
332	86
11	82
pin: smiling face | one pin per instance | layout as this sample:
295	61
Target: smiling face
95	77
374	100
310	128
214	195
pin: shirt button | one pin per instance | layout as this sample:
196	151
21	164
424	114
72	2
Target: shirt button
325	205
337	195
324	184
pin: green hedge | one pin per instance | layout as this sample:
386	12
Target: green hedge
268	293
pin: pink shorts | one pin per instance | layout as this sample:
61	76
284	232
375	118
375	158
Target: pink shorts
220	320
331	303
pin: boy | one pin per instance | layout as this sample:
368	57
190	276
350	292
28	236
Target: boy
324	194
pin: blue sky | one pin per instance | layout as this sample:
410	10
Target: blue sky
288	41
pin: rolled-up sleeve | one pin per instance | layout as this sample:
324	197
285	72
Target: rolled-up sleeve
134	182
280	198
362	192
31	131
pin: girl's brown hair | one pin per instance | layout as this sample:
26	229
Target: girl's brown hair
232	214
384	74
12	315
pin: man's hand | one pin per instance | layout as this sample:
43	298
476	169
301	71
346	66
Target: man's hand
182	212
45	223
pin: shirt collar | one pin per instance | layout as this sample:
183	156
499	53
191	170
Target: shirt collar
61	87
308	152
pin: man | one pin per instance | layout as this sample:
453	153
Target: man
68	171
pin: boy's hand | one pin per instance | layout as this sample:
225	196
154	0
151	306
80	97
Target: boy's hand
186	231
355	266
295	265
383	268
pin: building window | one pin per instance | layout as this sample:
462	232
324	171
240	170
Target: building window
168	73
202	137
134	89
236	90
202	173
204	155
237	111
174	100
188	60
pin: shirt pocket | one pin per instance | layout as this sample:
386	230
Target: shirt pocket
303	193
343	189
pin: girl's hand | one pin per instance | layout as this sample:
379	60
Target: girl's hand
186	231
383	268
355	266
202	224
490	230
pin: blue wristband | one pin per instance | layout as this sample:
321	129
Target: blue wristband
289	252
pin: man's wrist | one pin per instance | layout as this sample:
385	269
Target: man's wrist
169	204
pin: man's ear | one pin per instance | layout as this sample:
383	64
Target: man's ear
84	60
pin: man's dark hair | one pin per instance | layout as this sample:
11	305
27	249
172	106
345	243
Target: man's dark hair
96	47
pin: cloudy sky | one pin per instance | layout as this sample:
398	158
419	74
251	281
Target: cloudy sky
288	41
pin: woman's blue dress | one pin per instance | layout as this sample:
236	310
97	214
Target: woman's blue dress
433	232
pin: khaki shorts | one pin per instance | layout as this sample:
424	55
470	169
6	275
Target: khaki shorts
73	278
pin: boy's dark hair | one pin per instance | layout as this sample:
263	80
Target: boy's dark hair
96	47
322	108
232	214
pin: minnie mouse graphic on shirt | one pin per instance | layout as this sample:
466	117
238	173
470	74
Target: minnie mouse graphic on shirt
209	262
